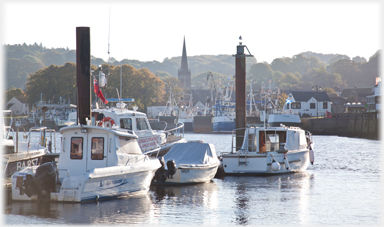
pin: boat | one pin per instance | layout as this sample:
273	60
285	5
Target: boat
269	150
188	163
224	113
276	118
94	163
29	150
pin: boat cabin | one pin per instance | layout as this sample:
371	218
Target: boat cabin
87	147
267	139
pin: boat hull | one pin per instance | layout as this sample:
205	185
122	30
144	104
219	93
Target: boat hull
108	183
17	161
191	175
261	164
226	126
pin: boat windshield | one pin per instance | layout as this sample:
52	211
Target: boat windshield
141	124
126	123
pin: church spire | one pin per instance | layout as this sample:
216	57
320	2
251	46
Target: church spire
184	74
184	62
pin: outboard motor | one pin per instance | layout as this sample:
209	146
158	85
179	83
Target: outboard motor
160	174
171	165
42	183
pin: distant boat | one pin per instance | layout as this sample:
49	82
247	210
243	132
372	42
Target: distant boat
27	151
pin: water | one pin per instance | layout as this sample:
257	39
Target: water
343	187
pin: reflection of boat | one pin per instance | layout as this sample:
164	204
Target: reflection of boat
94	163
192	162
26	151
269	150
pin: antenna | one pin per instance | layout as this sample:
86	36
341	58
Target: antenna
109	33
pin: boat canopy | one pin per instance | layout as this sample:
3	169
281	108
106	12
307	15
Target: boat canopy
192	153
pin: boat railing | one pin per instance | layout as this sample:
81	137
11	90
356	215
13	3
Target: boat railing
178	131
241	153
44	139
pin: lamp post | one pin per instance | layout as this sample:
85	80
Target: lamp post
317	89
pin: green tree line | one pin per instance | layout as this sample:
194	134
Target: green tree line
54	82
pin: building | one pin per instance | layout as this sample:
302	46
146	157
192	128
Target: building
308	103
184	74
18	106
373	101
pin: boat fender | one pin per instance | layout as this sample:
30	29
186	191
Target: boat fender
275	166
286	162
311	155
107	122
171	166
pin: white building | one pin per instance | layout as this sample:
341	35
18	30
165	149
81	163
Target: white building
307	103
373	101
18	107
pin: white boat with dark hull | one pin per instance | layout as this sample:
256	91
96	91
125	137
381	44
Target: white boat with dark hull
26	151
188	163
94	163
269	150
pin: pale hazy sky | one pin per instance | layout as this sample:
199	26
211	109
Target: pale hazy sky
146	30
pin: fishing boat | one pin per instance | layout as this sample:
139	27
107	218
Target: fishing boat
224	113
188	163
94	163
269	150
26	151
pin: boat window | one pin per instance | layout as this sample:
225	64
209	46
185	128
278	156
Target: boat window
97	148
126	123
76	148
141	124
129	145
272	140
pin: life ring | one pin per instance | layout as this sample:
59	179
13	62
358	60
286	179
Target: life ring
107	122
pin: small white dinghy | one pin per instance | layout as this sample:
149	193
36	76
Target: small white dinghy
186	163
94	163
269	150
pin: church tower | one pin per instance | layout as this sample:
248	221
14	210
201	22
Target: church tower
184	74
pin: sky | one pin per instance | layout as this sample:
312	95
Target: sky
155	30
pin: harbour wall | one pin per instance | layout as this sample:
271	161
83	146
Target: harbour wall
362	125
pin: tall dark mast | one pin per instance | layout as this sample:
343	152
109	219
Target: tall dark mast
184	74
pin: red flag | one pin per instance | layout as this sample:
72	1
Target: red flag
98	91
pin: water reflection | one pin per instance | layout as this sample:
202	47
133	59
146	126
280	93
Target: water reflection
127	210
274	198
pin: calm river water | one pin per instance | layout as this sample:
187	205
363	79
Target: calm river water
343	187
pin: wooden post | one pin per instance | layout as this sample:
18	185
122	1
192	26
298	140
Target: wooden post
240	94
83	74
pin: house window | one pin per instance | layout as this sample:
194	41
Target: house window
325	105
97	148
312	105
76	148
296	105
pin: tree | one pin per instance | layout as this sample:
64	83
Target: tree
53	81
13	92
142	85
